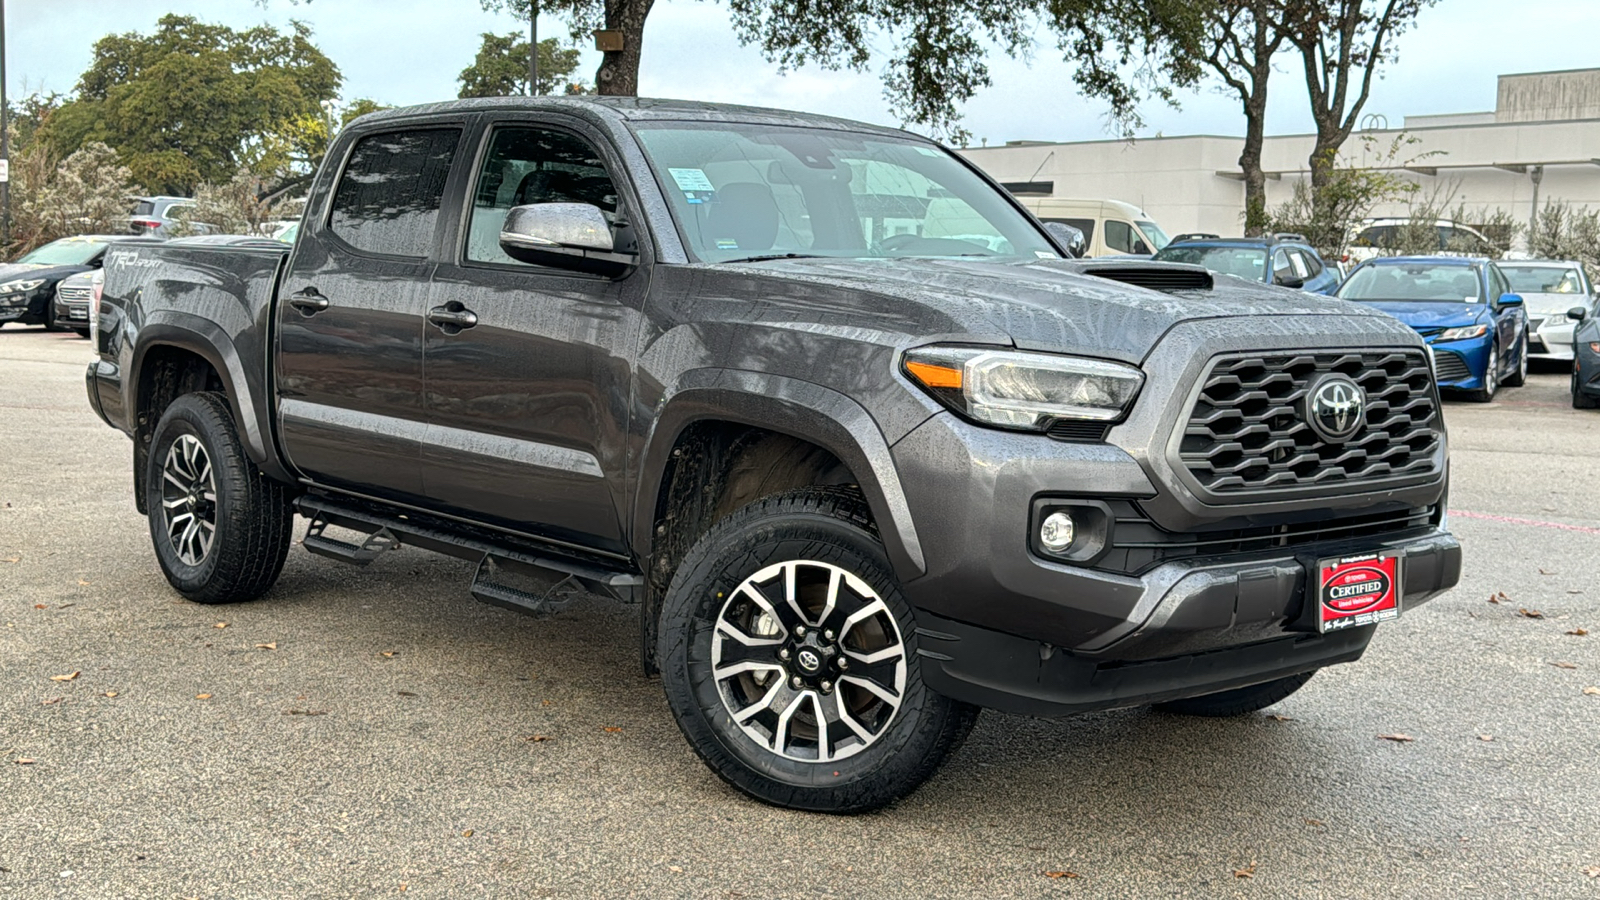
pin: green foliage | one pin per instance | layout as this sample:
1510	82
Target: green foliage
85	193
1562	231
1125	50
1328	215
193	102
501	68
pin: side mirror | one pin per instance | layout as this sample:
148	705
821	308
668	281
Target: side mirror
572	236
1068	239
1509	300
1289	281
1577	314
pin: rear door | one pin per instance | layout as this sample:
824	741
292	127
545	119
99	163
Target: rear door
528	404
350	315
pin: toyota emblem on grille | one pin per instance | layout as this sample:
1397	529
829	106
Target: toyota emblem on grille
1336	409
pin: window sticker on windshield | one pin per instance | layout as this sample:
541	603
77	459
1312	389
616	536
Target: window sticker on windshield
691	180
727	244
1045	254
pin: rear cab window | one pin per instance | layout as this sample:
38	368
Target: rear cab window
389	194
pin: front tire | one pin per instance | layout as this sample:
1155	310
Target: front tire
220	528
789	658
1238	701
1491	378
1520	376
1580	400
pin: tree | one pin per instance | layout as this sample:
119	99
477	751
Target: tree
85	193
193	102
1124	50
618	74
1327	215
1342	45
1244	36
1561	231
501	68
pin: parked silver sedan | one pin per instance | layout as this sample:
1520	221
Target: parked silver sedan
1548	289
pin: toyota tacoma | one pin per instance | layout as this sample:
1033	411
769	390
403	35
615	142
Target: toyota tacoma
867	448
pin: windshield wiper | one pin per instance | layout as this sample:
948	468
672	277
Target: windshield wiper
772	256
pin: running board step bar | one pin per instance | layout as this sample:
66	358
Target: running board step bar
497	558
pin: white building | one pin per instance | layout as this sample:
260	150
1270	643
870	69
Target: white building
1541	142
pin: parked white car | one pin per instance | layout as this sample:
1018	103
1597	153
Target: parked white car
1548	289
1376	237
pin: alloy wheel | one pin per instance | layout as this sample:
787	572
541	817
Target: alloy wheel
808	661
189	499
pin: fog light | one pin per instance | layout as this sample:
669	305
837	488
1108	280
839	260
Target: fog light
1057	532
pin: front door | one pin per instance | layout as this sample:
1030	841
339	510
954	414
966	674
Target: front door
350	318
528	368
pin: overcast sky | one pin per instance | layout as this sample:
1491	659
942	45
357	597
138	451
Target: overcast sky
410	51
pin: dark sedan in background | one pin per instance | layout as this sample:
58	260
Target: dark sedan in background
28	286
1585	354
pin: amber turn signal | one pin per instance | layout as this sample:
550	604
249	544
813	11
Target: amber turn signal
935	376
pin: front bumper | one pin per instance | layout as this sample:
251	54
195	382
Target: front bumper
29	306
1550	337
1460	365
69	314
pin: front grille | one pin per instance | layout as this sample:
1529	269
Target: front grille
1450	366
1248	431
1138	544
74	293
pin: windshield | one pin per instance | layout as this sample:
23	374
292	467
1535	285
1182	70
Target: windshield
64	253
742	191
1245	262
1157	238
1543	279
1414	282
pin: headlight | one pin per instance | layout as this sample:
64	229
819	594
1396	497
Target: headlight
1024	390
1464	332
17	287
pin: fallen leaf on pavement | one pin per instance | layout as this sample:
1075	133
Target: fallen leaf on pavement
1496	598
1398	738
1563	665
678	869
405	693
24	761
389	652
1246	872
82	582
467	833
1543	572
13	559
1591	690
1277	718
67	677
1592	871
537	738
1317	822
305	712
51	702
1061	874
65	605
110	693
40	606
1485	737
613	729
1578	632
202	696
1530	613
271	646
220	625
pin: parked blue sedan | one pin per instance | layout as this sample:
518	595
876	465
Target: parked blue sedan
1463	307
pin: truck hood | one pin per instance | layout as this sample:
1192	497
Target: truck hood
1051	305
1430	313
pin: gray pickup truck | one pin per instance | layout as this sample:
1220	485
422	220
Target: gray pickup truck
868	450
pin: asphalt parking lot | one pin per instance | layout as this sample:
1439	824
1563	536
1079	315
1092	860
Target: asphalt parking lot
372	732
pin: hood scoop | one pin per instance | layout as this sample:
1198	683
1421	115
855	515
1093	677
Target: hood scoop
1166	277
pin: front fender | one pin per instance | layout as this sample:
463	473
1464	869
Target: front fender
802	410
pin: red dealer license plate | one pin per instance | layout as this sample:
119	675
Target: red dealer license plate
1358	590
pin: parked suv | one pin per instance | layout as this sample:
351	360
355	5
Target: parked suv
1281	259
154	216
827	403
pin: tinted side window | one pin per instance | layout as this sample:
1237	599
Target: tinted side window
1298	261
388	198
1119	236
1084	225
533	165
1313	264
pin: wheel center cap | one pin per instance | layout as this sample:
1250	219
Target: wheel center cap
809	660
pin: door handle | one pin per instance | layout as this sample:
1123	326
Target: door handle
452	317
308	301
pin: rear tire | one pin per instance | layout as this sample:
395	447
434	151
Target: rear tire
796	589
1238	701
220	528
1580	400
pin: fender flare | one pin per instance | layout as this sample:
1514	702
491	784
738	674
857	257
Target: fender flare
799	409
208	341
